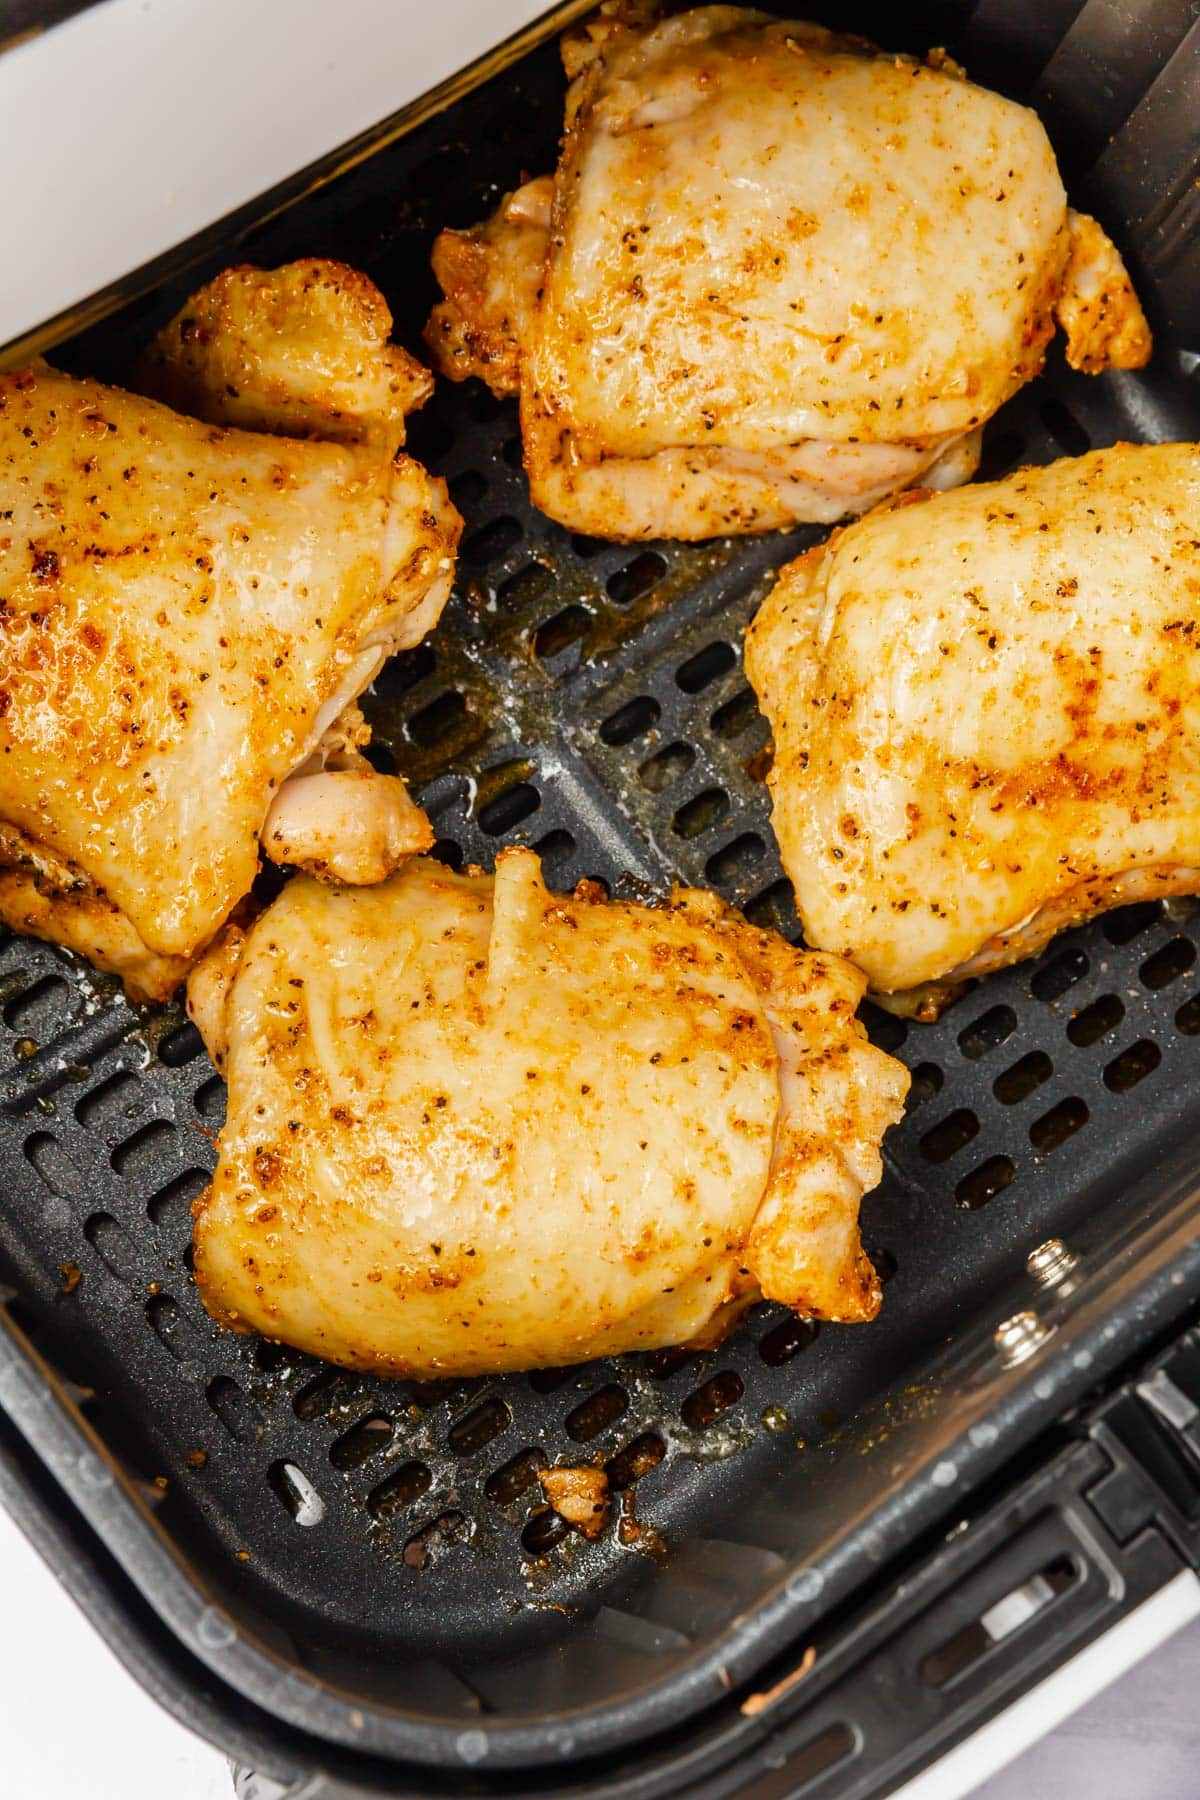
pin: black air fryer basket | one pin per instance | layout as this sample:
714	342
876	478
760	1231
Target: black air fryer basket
353	1584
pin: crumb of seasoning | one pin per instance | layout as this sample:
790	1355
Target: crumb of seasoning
161	1483
196	1459
72	1275
579	1495
24	1048
775	1418
153	1288
243	1556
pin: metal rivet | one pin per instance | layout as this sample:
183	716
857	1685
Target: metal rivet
1020	1337
1051	1262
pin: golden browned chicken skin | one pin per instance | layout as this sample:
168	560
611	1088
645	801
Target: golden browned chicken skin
474	1126
187	616
777	276
986	710
303	350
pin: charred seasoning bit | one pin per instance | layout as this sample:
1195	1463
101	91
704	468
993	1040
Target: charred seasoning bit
579	1495
72	1275
197	1459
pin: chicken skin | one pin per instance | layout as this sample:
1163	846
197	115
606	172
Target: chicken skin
777	277
302	350
188	615
474	1126
986	711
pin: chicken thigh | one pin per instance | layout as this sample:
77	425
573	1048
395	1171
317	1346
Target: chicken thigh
474	1126
777	277
188	614
986	710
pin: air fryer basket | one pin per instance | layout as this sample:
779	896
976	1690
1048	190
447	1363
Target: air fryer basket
371	1562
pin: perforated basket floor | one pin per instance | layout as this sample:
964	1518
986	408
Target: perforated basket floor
589	700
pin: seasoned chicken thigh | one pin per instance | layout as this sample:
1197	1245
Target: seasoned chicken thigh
474	1126
302	350
986	709
777	277
188	614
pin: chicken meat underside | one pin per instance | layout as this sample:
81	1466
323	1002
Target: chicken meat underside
188	616
474	1126
986	714
776	277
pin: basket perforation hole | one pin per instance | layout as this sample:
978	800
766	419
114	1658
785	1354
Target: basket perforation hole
926	1081
235	1409
52	1163
560	633
171	1207
515	1477
182	1045
949	1135
1132	1065
492	541
665	766
1060	973
1023	1078
210	1098
42	1009
737	861
513	451
1167	964
545	1529
787	1339
467	490
1127	922
118	1097
529	585
884	1029
987	1032
445	850
1002	450
633	720
509	809
701	813
1071	437
361	1442
548	1381
388	1498
438	722
736	715
296	1493
982	1184
1096	1020
661	1365
636	578
433	1540
400	674
169	1326
1059	1124
597	1413
705	1404
137	1158
587	547
327	1395
113	1246
1187	1018
885	1264
772	910
638	1457
476	1429
555	848
701	670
